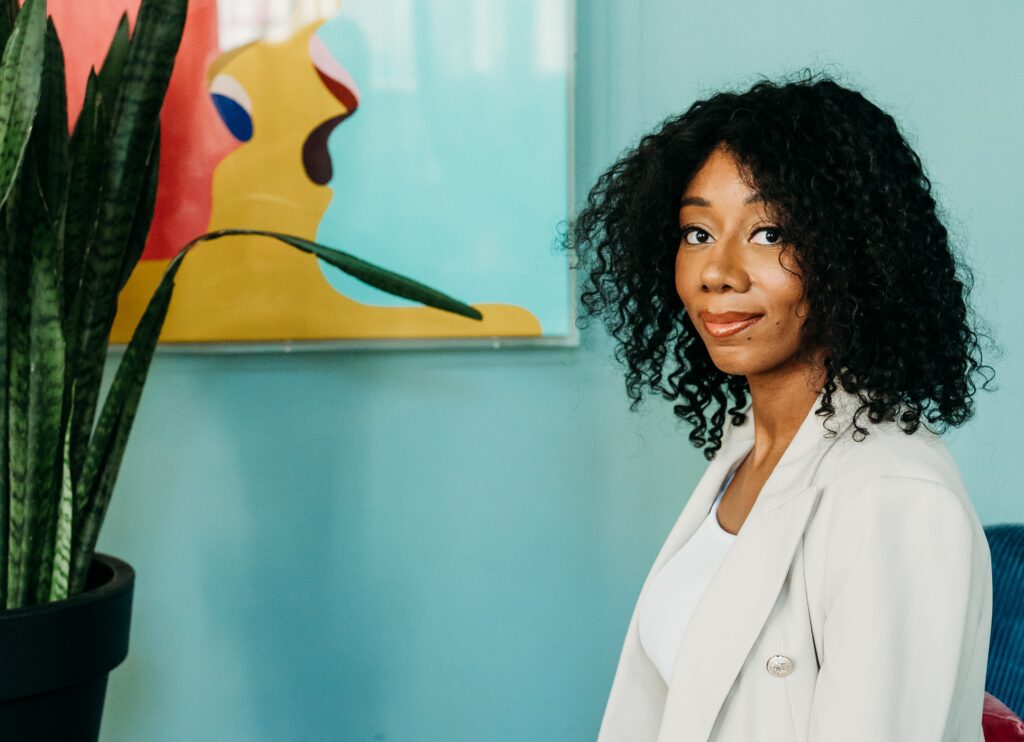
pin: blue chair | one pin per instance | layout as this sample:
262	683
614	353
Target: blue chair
1005	676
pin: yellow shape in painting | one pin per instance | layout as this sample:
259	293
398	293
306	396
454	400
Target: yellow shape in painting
255	288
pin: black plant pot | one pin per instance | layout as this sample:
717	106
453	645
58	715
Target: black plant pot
55	658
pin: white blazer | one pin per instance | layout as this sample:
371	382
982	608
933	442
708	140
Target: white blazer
854	604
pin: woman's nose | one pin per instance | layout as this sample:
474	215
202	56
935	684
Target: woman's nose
724	267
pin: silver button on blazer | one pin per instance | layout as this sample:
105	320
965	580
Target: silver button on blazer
854	605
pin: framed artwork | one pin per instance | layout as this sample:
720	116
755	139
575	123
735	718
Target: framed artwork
430	137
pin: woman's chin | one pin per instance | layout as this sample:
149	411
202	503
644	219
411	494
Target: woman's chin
745	363
734	364
740	366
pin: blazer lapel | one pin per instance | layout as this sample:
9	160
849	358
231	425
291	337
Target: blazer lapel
733	610
636	701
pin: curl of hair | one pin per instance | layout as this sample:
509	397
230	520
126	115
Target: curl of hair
888	298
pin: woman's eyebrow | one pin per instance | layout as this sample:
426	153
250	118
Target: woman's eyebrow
698	201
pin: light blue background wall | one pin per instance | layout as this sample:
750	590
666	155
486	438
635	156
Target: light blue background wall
446	545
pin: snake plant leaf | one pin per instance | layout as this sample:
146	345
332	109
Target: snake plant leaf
143	215
111	71
8	12
88	149
34	378
50	133
35	392
106	448
45	412
21	72
22	210
79	231
136	244
374	275
87	154
132	129
83	199
381	278
36	370
49	144
60	574
108	443
4	471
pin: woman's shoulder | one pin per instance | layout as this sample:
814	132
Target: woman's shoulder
888	450
894	493
890	462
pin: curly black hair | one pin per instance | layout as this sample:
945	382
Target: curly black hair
888	298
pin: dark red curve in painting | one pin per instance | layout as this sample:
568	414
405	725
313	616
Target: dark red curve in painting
315	157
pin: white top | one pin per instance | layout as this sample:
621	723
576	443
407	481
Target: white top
673	593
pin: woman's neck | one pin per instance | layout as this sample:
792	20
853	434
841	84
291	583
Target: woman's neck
781	401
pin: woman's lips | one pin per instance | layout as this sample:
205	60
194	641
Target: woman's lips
725	329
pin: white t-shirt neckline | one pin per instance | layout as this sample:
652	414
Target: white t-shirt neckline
677	587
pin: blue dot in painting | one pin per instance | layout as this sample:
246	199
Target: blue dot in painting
237	119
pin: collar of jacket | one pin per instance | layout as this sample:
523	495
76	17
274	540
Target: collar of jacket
733	610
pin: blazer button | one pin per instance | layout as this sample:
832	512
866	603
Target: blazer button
780	664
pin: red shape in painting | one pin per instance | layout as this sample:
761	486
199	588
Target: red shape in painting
193	138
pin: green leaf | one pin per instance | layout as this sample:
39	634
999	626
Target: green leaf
60	576
4	471
35	389
44	175
85	169
51	141
21	72
8	12
381	278
112	69
46	407
22	211
50	133
108	443
122	183
106	448
143	215
87	147
34	298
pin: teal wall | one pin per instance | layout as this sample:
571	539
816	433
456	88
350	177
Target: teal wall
446	545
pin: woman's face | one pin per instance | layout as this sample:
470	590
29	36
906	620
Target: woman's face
728	264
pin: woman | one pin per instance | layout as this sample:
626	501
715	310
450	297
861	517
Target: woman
828	579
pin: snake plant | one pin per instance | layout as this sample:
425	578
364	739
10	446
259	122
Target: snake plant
75	211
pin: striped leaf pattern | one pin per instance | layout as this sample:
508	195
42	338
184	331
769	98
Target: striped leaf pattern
115	423
45	411
133	127
8	12
7	15
36	362
35	232
81	216
21	71
23	209
113	64
50	132
143	214
60	574
43	204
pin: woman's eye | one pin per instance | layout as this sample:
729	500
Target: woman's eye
772	235
694	236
